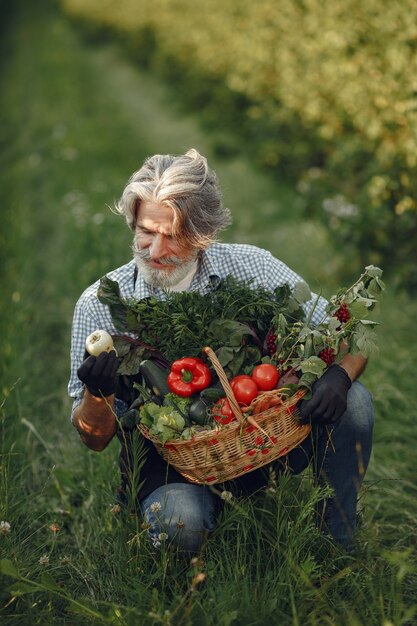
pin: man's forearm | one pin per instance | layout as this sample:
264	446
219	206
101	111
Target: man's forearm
354	364
95	420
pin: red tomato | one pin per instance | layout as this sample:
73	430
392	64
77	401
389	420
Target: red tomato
265	376
222	411
239	377
244	388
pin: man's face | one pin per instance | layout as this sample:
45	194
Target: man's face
159	257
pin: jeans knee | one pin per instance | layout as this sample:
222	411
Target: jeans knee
179	515
186	533
360	410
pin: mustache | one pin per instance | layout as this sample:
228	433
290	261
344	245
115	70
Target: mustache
144	255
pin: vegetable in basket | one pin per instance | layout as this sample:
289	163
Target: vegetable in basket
266	376
188	375
164	422
222	412
244	389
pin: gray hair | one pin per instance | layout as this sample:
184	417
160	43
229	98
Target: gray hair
187	185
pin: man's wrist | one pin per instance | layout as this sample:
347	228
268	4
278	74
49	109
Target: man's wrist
344	371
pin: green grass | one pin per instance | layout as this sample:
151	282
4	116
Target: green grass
77	120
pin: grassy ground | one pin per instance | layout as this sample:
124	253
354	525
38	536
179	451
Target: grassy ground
76	121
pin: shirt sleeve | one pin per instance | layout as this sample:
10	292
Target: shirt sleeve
83	324
278	273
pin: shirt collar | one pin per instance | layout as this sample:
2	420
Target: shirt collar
208	276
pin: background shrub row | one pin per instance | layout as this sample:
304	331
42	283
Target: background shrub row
320	91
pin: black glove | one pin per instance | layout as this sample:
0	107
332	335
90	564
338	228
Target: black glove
99	373
329	399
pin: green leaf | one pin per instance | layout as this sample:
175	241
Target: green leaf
302	292
122	346
308	346
236	364
305	331
130	419
332	324
225	355
8	569
365	340
21	588
109	293
373	271
49	583
84	606
307	380
230	332
313	365
252	355
130	364
359	308
132	323
376	285
281	324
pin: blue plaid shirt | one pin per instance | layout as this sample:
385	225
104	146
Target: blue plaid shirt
244	262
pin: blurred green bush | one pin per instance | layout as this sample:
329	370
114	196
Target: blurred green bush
322	91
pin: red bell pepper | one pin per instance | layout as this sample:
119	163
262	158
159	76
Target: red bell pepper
188	375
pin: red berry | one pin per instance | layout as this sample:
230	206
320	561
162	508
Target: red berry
342	313
271	342
327	355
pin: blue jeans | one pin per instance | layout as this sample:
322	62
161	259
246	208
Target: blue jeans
340	456
186	513
180	513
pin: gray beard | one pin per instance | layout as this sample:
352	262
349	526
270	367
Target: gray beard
159	277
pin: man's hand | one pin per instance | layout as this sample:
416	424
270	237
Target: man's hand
329	400
99	373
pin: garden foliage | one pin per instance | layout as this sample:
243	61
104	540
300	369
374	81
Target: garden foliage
322	91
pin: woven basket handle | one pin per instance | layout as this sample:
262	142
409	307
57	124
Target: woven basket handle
225	383
229	392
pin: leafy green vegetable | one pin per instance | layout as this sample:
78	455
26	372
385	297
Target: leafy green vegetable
182	323
164	422
179	403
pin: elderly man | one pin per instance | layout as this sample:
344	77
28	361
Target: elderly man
174	207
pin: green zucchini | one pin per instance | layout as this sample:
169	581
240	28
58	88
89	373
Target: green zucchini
213	393
198	412
155	377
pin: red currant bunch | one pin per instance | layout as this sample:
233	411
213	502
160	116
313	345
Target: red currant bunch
342	313
327	355
271	343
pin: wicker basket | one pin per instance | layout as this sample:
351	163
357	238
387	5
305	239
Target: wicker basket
224	453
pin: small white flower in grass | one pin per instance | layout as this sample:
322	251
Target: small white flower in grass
162	536
227	496
44	559
155	507
5	528
64	560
